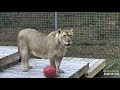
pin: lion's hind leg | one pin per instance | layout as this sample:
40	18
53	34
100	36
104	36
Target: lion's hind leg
24	55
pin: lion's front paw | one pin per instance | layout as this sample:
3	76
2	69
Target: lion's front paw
25	70
60	71
30	67
57	75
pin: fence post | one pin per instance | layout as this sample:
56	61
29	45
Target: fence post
56	19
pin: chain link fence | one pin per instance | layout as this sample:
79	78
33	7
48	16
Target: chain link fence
96	34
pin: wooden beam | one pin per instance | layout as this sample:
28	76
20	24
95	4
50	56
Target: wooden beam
95	68
80	72
8	61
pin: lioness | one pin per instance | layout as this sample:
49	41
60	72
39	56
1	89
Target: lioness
52	46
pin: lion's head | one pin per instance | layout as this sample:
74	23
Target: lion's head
65	36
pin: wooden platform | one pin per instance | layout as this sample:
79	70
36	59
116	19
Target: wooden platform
73	67
8	56
95	65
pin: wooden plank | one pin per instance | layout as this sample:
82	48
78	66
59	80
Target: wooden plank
86	60
8	56
95	68
82	59
8	61
73	69
78	59
98	62
7	50
93	62
67	58
81	72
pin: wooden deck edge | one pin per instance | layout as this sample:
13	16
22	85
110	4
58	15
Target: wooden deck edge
96	70
8	61
80	72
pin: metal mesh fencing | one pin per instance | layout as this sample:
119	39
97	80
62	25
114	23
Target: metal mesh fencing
91	26
12	22
96	34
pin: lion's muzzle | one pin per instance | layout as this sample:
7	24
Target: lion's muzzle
67	44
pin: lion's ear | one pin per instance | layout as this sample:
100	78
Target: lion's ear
71	30
59	30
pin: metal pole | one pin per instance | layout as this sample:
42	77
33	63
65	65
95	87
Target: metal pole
56	19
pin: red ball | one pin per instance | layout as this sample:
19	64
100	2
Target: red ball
49	71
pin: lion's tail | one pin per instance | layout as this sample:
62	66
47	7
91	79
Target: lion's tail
18	48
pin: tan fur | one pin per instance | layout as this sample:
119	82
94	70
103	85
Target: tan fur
51	46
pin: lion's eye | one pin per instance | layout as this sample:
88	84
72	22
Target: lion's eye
64	35
70	35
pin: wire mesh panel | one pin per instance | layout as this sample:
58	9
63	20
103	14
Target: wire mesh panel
91	26
96	34
12	22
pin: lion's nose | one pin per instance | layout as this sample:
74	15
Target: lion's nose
68	41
